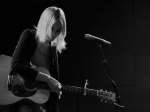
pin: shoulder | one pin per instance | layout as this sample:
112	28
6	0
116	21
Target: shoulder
27	39
28	34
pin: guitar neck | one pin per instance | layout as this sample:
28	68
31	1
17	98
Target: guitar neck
107	96
67	88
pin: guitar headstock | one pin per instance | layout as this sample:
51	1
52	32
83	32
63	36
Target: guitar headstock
107	96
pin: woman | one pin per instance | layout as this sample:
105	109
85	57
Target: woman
34	49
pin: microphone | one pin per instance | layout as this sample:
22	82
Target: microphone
91	37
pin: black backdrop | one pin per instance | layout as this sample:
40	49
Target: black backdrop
125	23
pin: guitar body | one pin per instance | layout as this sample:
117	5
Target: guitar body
6	96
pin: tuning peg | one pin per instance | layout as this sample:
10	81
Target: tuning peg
106	91
110	92
101	90
101	93
102	99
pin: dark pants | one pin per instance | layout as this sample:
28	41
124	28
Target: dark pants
26	105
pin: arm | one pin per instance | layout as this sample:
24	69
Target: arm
21	58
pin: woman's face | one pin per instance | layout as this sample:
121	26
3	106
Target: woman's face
56	29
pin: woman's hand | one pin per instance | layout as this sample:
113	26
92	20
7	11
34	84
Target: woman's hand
54	85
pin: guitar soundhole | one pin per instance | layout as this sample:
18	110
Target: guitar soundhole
25	90
20	91
30	85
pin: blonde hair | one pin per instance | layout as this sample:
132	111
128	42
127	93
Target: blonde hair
44	28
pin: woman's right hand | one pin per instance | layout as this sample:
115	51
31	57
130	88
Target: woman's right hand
54	85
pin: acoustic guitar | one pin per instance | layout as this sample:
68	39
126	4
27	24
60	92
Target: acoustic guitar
36	91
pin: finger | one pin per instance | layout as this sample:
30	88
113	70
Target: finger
60	94
59	85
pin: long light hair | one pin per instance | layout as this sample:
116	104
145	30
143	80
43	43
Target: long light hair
44	28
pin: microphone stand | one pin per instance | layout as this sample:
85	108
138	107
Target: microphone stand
118	102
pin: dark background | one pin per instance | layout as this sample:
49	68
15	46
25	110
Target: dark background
125	23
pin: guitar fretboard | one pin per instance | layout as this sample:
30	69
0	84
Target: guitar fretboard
74	89
67	88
